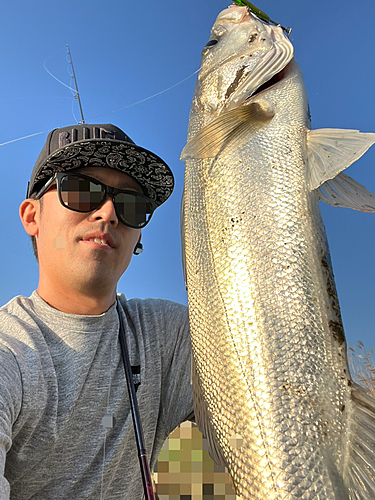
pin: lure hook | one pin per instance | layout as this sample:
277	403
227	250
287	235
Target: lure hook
261	15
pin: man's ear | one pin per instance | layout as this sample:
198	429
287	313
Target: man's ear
140	237
29	214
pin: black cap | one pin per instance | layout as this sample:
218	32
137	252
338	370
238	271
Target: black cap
89	145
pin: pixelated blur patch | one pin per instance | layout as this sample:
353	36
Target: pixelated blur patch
59	243
185	470
108	421
235	441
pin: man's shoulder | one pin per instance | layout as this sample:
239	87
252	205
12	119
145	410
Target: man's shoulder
12	303
14	311
18	303
19	332
17	348
149	315
153	306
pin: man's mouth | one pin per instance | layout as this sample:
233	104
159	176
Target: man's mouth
99	241
96	243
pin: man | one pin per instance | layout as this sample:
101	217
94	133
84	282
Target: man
66	429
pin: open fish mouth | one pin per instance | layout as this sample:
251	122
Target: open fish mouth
271	68
243	53
273	80
241	89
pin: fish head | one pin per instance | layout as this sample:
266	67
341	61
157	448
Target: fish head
243	53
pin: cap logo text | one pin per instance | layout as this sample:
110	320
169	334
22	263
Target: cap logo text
85	133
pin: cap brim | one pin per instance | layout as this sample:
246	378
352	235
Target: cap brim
148	169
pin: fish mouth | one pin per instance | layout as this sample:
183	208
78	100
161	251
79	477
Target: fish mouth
239	86
270	69
281	75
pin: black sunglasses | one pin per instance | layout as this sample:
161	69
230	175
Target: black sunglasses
82	193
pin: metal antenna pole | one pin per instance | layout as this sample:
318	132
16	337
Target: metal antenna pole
75	83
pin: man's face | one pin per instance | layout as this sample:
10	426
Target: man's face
66	258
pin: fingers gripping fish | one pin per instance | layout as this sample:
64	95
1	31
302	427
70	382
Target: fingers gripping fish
273	392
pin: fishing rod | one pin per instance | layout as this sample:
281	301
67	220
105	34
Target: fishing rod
75	83
142	455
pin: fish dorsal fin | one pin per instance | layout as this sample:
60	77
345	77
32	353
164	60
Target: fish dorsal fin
343	191
330	151
232	125
202	419
359	458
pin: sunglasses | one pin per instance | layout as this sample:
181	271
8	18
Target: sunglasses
82	193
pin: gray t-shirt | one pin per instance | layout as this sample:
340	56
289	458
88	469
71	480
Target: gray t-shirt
60	374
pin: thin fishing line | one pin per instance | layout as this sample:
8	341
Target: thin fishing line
74	116
68	67
146	98
32	98
24	137
53	76
49	57
104	114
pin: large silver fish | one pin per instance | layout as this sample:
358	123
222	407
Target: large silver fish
273	392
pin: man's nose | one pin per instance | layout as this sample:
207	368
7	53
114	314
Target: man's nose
106	211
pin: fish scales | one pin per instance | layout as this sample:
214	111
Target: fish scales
268	342
252	238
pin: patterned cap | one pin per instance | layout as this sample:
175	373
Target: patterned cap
101	146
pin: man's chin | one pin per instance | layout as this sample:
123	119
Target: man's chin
99	283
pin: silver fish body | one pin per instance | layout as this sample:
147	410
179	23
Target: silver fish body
272	387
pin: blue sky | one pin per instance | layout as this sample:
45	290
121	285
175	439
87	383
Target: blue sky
126	51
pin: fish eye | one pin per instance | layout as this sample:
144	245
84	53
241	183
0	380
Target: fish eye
211	42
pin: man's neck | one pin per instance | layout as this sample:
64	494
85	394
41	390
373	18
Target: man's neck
73	302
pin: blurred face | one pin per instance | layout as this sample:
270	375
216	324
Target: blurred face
67	258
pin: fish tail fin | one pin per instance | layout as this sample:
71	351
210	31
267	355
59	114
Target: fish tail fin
329	152
359	469
343	191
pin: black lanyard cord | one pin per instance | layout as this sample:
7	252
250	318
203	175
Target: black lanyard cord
142	455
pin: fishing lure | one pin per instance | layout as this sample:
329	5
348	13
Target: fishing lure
260	14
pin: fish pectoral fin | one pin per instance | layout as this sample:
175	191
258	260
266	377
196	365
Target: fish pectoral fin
359	469
202	419
330	151
343	191
233	125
